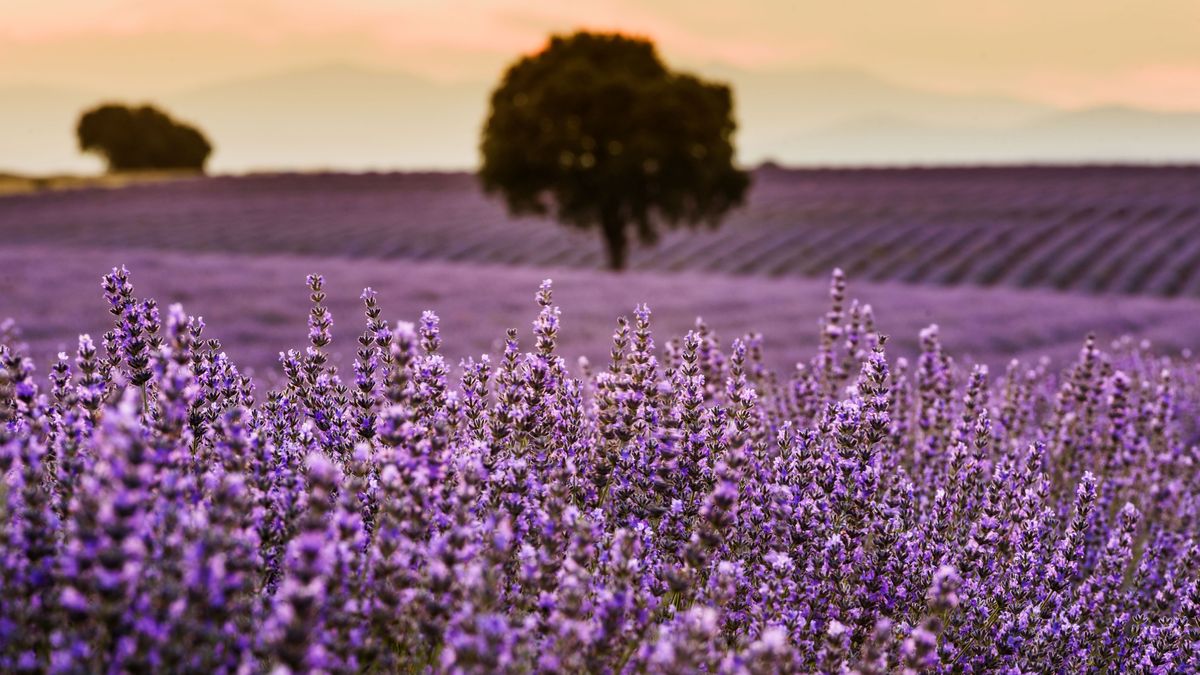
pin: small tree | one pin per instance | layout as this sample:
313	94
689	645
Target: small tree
597	129
133	138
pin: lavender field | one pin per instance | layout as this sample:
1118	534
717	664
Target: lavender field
973	239
52	295
677	508
983	474
1094	229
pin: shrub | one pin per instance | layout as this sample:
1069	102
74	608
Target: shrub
676	510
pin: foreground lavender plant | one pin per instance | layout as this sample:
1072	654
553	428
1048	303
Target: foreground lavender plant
675	511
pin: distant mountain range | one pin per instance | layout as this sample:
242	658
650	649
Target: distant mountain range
347	117
1093	135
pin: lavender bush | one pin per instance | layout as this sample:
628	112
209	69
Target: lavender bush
676	510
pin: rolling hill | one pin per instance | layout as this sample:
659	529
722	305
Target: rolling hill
1105	134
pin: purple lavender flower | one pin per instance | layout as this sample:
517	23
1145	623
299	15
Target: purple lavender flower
682	509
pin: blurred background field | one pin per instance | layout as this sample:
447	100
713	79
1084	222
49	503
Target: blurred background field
20	184
254	304
236	251
1087	229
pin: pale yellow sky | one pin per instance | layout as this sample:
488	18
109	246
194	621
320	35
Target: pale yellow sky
1066	52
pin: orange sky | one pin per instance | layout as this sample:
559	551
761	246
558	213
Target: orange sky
1068	52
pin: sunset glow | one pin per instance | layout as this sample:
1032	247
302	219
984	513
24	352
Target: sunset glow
1070	52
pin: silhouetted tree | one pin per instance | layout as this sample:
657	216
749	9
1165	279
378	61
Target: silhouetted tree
596	129
142	137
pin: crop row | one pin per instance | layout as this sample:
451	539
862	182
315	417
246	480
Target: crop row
1114	230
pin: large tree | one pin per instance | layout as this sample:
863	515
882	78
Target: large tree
142	137
595	129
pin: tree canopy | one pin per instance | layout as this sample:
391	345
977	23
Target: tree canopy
596	130
141	137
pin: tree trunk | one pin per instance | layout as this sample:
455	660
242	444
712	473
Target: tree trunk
614	239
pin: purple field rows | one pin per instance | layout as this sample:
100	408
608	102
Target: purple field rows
256	305
1096	230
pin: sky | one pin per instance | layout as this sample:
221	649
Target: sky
1070	53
